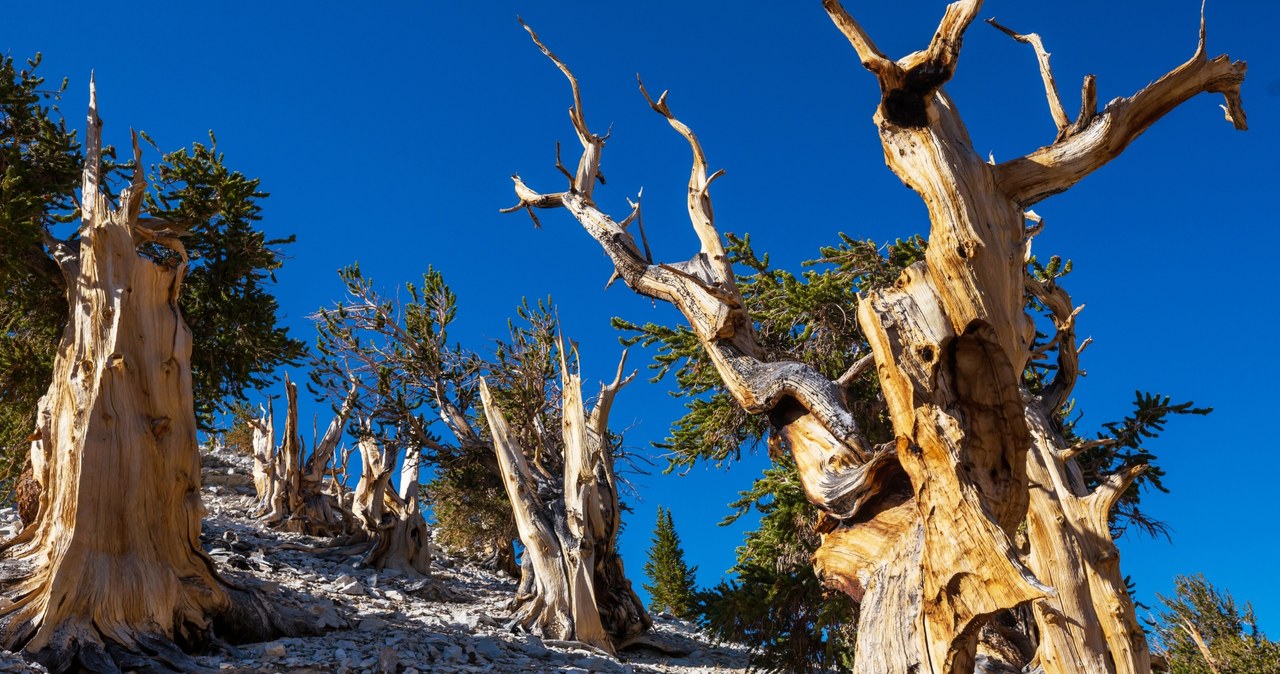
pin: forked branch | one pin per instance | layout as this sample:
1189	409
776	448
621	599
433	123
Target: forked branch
1046	74
1056	167
702	288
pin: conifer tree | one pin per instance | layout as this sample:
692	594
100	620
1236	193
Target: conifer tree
979	500
673	588
1203	631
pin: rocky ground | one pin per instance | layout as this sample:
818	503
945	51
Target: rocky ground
383	623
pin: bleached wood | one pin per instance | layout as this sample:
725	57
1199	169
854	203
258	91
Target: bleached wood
112	565
392	526
1058	112
573	585
289	482
921	531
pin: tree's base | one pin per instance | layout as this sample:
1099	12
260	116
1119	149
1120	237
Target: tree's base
77	645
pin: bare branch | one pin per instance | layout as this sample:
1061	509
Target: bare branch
64	254
1064	315
639	220
1075	450
859	366
1088	106
1107	494
699	203
1046	74
599	418
92	181
589	163
704	291
1055	168
872	58
944	49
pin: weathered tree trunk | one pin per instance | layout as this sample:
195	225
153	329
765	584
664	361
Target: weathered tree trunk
398	536
290	488
919	530
111	573
573	585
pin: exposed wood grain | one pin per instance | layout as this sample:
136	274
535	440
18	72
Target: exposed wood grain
112	566
922	532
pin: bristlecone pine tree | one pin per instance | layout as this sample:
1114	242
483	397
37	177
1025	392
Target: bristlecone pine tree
673	582
921	529
110	574
226	290
291	483
1202	631
396	356
563	491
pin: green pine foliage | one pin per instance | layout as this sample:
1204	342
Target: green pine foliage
673	587
775	603
226	299
1118	446
1229	632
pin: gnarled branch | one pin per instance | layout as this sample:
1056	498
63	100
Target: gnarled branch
1046	74
1056	167
702	288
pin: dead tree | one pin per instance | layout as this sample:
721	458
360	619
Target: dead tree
388	522
572	583
290	484
919	530
110	573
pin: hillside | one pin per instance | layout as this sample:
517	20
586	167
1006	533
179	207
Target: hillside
384	623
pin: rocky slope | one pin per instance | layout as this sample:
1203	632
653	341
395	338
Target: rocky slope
383	623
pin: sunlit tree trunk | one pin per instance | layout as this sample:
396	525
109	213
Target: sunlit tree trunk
920	529
572	584
290	483
110	572
398	537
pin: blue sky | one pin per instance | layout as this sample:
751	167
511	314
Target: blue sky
387	132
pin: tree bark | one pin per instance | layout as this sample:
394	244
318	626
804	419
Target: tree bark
290	487
110	572
573	585
920	530
398	536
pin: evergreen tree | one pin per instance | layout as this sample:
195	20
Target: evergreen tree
673	581
777	603
1202	631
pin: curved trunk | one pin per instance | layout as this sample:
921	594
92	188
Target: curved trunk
111	566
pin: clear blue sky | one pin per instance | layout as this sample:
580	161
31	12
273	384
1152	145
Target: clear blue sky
386	133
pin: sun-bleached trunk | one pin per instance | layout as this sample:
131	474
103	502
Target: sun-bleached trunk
290	483
393	526
573	585
110	572
920	529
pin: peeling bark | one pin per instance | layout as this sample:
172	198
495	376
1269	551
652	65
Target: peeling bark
920	531
573	585
110	572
